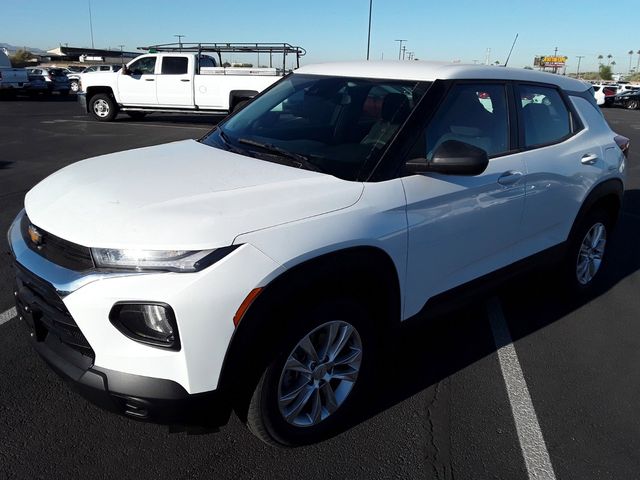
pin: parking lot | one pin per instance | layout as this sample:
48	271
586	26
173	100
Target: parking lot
452	404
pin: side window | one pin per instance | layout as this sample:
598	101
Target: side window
144	66
476	114
545	118
104	68
175	65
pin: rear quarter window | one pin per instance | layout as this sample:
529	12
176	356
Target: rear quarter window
545	117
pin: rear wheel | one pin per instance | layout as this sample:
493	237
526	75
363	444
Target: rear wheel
587	250
306	393
102	107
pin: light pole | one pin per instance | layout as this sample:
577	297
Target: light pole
400	48
404	49
90	24
180	40
580	57
369	34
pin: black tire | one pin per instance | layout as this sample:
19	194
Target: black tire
264	417
102	107
136	115
598	216
632	104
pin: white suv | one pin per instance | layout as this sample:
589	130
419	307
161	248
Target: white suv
258	268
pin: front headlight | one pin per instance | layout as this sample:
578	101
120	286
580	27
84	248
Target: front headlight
165	260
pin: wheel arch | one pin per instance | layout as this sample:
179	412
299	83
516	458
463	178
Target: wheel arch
236	96
608	195
93	91
368	273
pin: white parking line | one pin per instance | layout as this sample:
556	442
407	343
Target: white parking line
534	449
8	315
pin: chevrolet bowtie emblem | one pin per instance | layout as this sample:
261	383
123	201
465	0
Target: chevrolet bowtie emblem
35	235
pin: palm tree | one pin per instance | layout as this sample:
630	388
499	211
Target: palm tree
638	64
600	57
630	52
609	57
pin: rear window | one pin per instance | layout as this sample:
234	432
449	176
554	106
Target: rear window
544	114
175	65
56	72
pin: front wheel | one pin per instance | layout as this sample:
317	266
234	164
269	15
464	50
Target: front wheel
632	104
102	107
305	395
75	86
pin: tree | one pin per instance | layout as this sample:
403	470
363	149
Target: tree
226	64
605	72
609	57
630	52
600	57
21	58
638	64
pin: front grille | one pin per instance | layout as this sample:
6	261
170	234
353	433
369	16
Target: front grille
49	312
55	249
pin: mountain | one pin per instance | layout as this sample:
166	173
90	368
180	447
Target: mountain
13	48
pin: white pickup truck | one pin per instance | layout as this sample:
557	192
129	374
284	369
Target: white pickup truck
11	79
185	79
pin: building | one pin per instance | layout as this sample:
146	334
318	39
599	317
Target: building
89	55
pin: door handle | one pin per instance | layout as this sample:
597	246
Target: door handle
509	178
589	159
185	80
149	79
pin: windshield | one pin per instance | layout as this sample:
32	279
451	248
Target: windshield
337	125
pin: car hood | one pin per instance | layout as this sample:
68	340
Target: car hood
182	195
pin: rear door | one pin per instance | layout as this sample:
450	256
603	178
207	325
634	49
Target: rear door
563	160
139	88
175	81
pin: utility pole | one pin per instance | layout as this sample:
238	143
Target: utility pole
180	40
400	48
369	34
90	24
580	57
404	49
121	54
487	57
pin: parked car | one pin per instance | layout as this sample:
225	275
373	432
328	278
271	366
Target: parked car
56	80
604	94
75	78
37	85
180	78
263	267
629	99
12	80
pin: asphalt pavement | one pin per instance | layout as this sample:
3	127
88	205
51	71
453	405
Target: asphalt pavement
442	407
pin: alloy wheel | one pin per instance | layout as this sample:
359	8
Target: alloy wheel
319	373
591	253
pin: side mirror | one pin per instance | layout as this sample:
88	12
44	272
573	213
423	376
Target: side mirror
452	158
125	70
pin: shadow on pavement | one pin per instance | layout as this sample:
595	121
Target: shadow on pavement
427	352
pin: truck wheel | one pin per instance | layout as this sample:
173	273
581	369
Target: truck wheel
307	392
587	251
102	107
136	115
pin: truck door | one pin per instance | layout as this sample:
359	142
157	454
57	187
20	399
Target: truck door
175	82
139	87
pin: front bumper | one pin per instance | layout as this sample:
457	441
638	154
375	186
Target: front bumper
117	372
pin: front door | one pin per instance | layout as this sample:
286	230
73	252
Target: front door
139	87
462	227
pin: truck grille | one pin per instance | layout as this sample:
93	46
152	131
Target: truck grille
49	312
55	249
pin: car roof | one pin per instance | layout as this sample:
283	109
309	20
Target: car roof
430	71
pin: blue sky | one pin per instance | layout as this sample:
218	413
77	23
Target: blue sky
337	29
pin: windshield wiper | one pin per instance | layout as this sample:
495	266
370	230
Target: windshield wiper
298	159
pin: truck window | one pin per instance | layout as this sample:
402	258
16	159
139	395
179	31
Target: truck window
144	66
175	65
